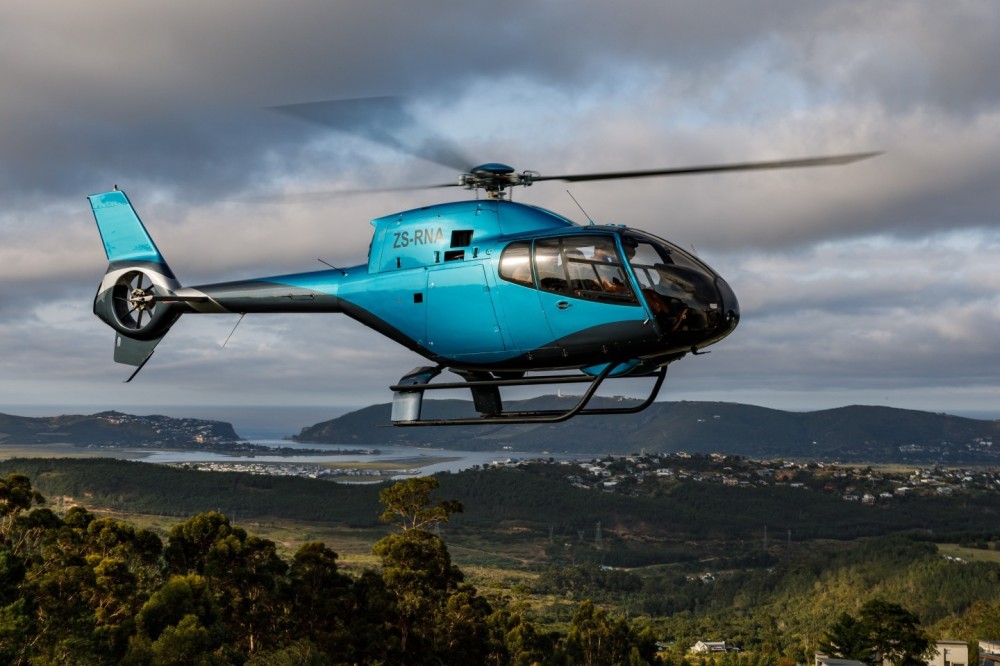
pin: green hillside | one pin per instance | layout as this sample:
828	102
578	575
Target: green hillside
114	429
857	433
535	505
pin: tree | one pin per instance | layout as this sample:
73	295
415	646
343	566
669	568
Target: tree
465	633
316	599
895	633
882	632
180	623
242	571
418	573
519	642
16	496
981	619
192	541
16	625
594	638
409	504
435	614
847	638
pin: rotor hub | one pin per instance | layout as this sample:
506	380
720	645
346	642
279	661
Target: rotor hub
495	178
141	299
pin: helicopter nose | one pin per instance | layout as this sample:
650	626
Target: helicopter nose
713	311
693	306
729	307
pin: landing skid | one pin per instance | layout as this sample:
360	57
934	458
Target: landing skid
407	397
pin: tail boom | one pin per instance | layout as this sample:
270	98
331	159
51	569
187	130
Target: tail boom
140	298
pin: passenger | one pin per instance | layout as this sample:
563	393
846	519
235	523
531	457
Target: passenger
521	274
608	269
604	254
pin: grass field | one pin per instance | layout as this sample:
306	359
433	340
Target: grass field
969	554
63	451
354	545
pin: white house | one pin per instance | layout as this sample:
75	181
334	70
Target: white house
712	647
823	660
949	653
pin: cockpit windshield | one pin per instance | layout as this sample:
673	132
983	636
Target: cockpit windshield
691	305
666	269
676	286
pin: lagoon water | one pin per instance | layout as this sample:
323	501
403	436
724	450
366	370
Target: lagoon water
456	460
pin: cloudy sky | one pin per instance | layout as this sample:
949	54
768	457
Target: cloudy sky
875	283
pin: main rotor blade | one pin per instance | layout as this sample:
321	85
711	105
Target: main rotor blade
384	120
715	168
325	195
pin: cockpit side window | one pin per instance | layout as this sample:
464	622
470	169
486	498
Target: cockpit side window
551	266
586	267
515	264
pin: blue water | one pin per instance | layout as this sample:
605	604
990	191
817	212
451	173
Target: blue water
461	459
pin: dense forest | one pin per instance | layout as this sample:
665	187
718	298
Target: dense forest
81	589
603	577
533	503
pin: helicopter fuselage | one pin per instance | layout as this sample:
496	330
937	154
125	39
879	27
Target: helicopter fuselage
504	287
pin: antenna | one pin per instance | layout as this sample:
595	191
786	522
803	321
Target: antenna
242	314
589	219
327	263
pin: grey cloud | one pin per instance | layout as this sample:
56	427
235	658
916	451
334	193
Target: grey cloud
169	91
904	56
169	102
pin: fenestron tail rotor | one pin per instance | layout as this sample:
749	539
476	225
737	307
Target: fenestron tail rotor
134	300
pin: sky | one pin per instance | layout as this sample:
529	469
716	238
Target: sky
873	283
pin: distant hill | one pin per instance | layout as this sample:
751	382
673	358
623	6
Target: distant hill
115	429
856	433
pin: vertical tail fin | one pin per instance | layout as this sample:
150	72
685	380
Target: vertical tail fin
137	277
125	238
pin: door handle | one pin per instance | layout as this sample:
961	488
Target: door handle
562	305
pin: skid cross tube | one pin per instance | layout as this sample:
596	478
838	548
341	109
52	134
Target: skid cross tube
539	416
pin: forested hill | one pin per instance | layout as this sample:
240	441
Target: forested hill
856	433
114	429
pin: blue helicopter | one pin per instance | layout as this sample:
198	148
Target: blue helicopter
498	292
